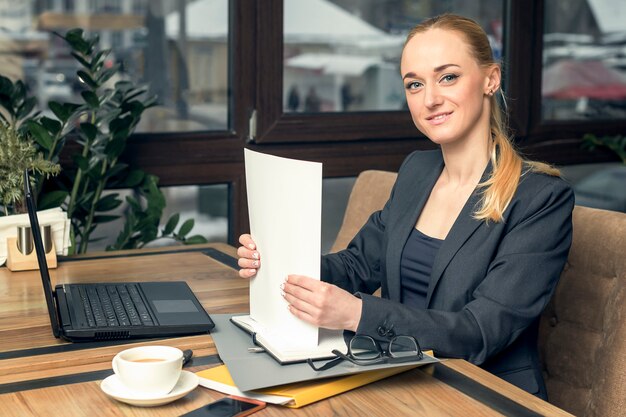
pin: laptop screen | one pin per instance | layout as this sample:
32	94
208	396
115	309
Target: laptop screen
41	255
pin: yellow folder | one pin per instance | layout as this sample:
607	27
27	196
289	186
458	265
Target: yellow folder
307	392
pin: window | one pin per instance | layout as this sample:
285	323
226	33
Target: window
584	60
179	48
344	56
239	75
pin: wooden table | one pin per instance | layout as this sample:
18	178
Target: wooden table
44	376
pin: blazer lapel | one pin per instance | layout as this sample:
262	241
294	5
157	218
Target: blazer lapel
461	230
403	225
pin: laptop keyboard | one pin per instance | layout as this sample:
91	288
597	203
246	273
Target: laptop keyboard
113	305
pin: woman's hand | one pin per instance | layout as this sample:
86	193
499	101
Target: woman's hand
249	258
322	304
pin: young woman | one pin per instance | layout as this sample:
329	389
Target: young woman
470	245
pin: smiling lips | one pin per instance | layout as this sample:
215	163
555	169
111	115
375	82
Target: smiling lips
439	118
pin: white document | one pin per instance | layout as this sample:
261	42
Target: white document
285	208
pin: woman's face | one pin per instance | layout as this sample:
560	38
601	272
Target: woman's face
446	88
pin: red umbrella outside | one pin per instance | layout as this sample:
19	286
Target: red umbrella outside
570	79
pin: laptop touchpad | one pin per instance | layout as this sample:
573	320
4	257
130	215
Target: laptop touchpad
174	303
174	306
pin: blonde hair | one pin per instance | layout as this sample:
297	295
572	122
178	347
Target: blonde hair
507	163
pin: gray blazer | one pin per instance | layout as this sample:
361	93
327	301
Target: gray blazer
489	282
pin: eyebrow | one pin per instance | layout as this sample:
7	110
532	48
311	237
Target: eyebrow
435	70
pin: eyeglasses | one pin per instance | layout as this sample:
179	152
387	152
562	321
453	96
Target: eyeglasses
364	350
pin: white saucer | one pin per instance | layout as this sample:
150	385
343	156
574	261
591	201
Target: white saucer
114	388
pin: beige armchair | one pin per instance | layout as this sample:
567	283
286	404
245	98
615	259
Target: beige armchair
583	330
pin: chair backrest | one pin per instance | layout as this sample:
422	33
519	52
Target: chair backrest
582	337
370	192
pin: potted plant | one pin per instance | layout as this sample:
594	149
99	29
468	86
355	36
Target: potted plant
16	154
97	129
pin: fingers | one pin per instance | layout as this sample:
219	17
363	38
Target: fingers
249	259
302	315
246	240
321	304
305	289
247	273
305	282
308	299
301	299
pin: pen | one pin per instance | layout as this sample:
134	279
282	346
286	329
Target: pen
255	350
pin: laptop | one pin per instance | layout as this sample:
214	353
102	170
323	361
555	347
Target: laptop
116	310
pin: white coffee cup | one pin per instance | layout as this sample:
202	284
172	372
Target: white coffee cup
149	371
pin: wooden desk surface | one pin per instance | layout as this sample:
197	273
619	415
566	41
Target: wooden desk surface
43	376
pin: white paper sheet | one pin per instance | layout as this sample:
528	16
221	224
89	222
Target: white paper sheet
285	208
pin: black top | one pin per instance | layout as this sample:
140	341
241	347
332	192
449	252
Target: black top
416	264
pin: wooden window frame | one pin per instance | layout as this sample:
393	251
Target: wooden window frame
347	143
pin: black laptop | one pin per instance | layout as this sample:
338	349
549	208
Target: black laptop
116	310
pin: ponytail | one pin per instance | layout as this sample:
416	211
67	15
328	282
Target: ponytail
499	189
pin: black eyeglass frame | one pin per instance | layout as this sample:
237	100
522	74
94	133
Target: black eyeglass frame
384	356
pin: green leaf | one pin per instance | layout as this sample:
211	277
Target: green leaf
98	59
124	86
186	228
52	199
89	130
115	147
63	111
115	170
86	78
81	60
108	202
104	219
93	41
133	179
133	203
27	107
53	126
120	124
81	162
74	37
108	73
91	99
40	134
195	240
6	86
95	170
136	108
171	224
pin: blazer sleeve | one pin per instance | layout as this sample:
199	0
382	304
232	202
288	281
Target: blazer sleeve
358	267
519	283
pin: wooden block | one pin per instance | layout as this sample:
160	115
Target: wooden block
17	261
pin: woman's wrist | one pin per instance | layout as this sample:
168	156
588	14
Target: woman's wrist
356	317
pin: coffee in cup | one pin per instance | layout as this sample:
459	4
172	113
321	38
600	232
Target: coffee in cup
149	371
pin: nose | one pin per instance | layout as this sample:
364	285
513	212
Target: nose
432	96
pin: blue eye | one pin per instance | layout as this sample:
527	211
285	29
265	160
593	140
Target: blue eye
449	78
413	85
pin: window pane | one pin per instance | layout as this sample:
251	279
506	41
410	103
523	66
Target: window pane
598	185
207	205
178	47
344	55
584	60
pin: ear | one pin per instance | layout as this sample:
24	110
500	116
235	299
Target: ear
492	79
